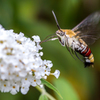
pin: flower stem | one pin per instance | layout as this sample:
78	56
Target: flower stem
43	91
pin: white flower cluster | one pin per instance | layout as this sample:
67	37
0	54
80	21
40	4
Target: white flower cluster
21	65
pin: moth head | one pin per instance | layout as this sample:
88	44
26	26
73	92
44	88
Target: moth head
60	33
61	36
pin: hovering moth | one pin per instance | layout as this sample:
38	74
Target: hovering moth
78	38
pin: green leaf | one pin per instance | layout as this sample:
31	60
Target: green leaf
66	89
43	97
49	85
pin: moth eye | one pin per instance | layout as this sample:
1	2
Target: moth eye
62	33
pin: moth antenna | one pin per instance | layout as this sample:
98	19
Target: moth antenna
56	20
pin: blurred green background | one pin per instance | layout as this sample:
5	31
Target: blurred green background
34	17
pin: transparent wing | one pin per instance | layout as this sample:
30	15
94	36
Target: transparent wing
89	28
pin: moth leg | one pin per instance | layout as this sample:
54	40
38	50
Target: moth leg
67	46
72	51
78	56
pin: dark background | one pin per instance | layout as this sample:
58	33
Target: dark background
34	17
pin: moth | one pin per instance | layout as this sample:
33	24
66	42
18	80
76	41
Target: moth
77	39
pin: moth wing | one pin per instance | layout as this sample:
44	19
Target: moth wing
89	28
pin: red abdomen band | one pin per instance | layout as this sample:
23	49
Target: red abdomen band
88	52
